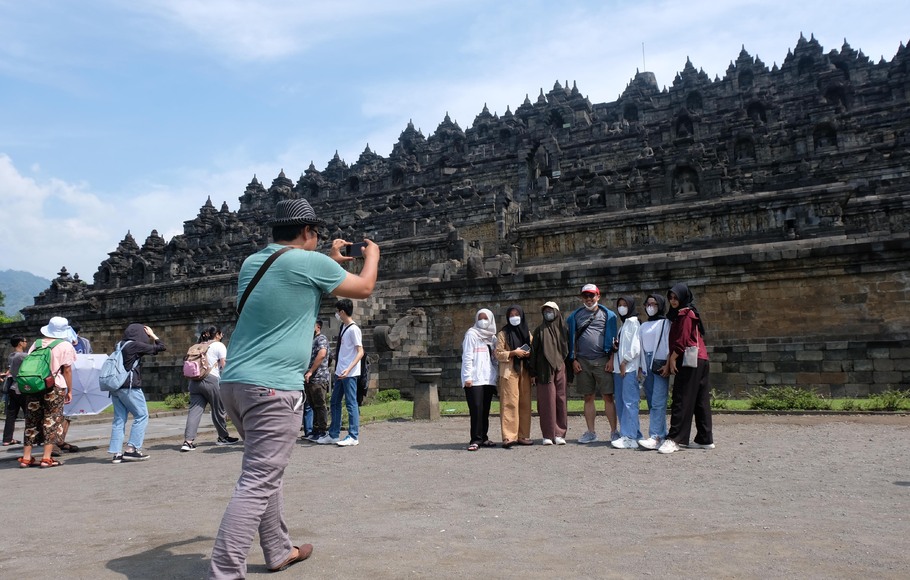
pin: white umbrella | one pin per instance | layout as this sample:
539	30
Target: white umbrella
88	398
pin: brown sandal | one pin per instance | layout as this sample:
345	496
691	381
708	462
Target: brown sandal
28	463
51	462
303	552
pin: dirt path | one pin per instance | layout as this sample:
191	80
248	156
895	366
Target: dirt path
791	496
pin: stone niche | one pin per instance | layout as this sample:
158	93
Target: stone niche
780	195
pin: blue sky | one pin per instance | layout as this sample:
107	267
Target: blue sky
118	115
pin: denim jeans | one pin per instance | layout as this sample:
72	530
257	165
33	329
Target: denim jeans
346	388
128	401
656	389
307	418
626	394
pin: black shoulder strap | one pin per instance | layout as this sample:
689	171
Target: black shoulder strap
258	276
581	329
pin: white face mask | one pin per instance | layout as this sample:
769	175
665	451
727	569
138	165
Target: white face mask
515	320
483	323
338	317
651	310
622	310
549	316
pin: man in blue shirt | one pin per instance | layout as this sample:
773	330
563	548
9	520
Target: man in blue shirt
592	332
262	386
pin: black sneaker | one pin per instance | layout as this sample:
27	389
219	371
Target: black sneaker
188	446
117	458
135	455
227	440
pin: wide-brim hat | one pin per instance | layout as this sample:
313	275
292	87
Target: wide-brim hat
552	305
295	212
57	327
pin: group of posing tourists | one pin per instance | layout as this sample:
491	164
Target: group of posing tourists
607	355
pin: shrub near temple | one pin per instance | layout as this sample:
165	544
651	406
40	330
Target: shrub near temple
788	399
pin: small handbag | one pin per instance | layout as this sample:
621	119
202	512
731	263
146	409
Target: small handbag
658	363
690	356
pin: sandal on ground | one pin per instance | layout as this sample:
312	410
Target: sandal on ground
525	442
69	448
488	443
507	444
11	442
23	462
303	552
50	462
473	447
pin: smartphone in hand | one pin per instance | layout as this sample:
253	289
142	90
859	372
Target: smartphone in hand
525	347
356	250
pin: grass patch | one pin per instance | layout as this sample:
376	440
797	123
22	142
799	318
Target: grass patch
788	399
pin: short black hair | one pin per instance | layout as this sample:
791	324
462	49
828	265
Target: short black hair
290	232
346	305
76	327
15	340
319	323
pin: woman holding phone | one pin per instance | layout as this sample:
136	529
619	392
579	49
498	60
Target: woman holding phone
513	349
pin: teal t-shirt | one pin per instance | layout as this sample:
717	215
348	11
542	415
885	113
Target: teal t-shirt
270	346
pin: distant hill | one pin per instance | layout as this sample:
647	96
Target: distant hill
20	289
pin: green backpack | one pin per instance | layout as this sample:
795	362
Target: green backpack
35	374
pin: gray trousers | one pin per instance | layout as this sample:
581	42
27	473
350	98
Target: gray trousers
268	421
202	393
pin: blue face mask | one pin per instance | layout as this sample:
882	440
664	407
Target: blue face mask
548	316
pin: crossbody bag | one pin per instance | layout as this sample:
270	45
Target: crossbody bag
258	276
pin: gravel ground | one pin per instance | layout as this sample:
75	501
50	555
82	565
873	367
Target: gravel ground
780	496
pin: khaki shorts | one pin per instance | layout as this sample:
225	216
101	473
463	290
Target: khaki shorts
593	379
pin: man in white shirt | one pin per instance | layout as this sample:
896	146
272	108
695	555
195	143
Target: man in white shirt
347	370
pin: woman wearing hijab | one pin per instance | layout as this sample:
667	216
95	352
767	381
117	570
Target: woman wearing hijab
626	365
655	341
478	376
549	348
129	398
691	388
512	352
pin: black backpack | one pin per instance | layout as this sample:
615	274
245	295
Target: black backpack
363	381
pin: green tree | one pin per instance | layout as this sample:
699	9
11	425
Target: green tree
3	317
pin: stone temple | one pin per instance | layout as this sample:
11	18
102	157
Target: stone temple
781	195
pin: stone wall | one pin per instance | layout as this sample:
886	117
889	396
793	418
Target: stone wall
781	195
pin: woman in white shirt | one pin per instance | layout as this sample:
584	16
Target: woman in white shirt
206	392
626	365
479	373
655	339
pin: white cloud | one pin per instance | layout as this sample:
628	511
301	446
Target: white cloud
252	30
51	223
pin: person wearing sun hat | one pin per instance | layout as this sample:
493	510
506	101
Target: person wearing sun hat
262	385
44	411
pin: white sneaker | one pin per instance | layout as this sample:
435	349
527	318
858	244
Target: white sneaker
625	443
650	443
614	435
559	440
588	437
327	440
547	442
695	445
668	446
347	442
